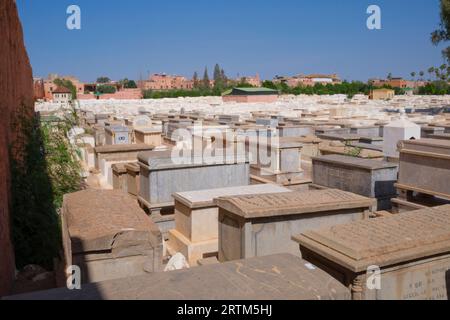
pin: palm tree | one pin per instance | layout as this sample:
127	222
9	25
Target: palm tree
431	71
421	74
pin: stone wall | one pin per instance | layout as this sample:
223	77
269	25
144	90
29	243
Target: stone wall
16	90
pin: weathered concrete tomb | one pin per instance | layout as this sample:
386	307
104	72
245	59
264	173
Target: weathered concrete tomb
117	134
366	177
108	236
119	177
161	176
279	160
133	178
259	225
276	277
148	136
196	233
366	131
410	252
425	167
106	156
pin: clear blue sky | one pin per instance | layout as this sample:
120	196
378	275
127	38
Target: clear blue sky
273	37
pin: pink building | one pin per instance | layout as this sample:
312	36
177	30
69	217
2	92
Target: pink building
124	94
166	82
254	81
308	80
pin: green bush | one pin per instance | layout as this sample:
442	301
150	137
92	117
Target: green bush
106	89
48	170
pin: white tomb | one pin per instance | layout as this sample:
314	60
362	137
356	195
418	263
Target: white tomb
396	131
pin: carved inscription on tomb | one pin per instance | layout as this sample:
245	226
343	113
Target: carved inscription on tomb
427	281
292	199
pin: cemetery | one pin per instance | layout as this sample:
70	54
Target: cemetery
178	190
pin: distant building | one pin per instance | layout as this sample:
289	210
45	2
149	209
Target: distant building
166	82
254	81
397	82
62	95
308	80
382	94
50	86
251	95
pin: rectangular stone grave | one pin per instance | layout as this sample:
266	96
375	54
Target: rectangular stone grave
196	233
427	131
99	135
425	166
100	119
161	175
117	135
148	136
133	180
366	131
89	156
440	136
108	236
259	225
228	118
368	146
125	152
290	130
276	277
119	177
366	177
279	160
409	253
106	156
331	130
378	141
345	138
269	122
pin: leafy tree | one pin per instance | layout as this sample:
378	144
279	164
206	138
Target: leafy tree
103	80
443	33
269	84
431	72
128	84
421	74
131	85
205	80
195	79
106	89
49	169
219	78
435	88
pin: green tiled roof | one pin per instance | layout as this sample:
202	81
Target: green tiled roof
251	91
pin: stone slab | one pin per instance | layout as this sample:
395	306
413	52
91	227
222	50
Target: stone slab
277	277
101	227
425	166
412	251
205	198
160	177
261	225
272	205
369	178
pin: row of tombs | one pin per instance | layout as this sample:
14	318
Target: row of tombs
316	222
